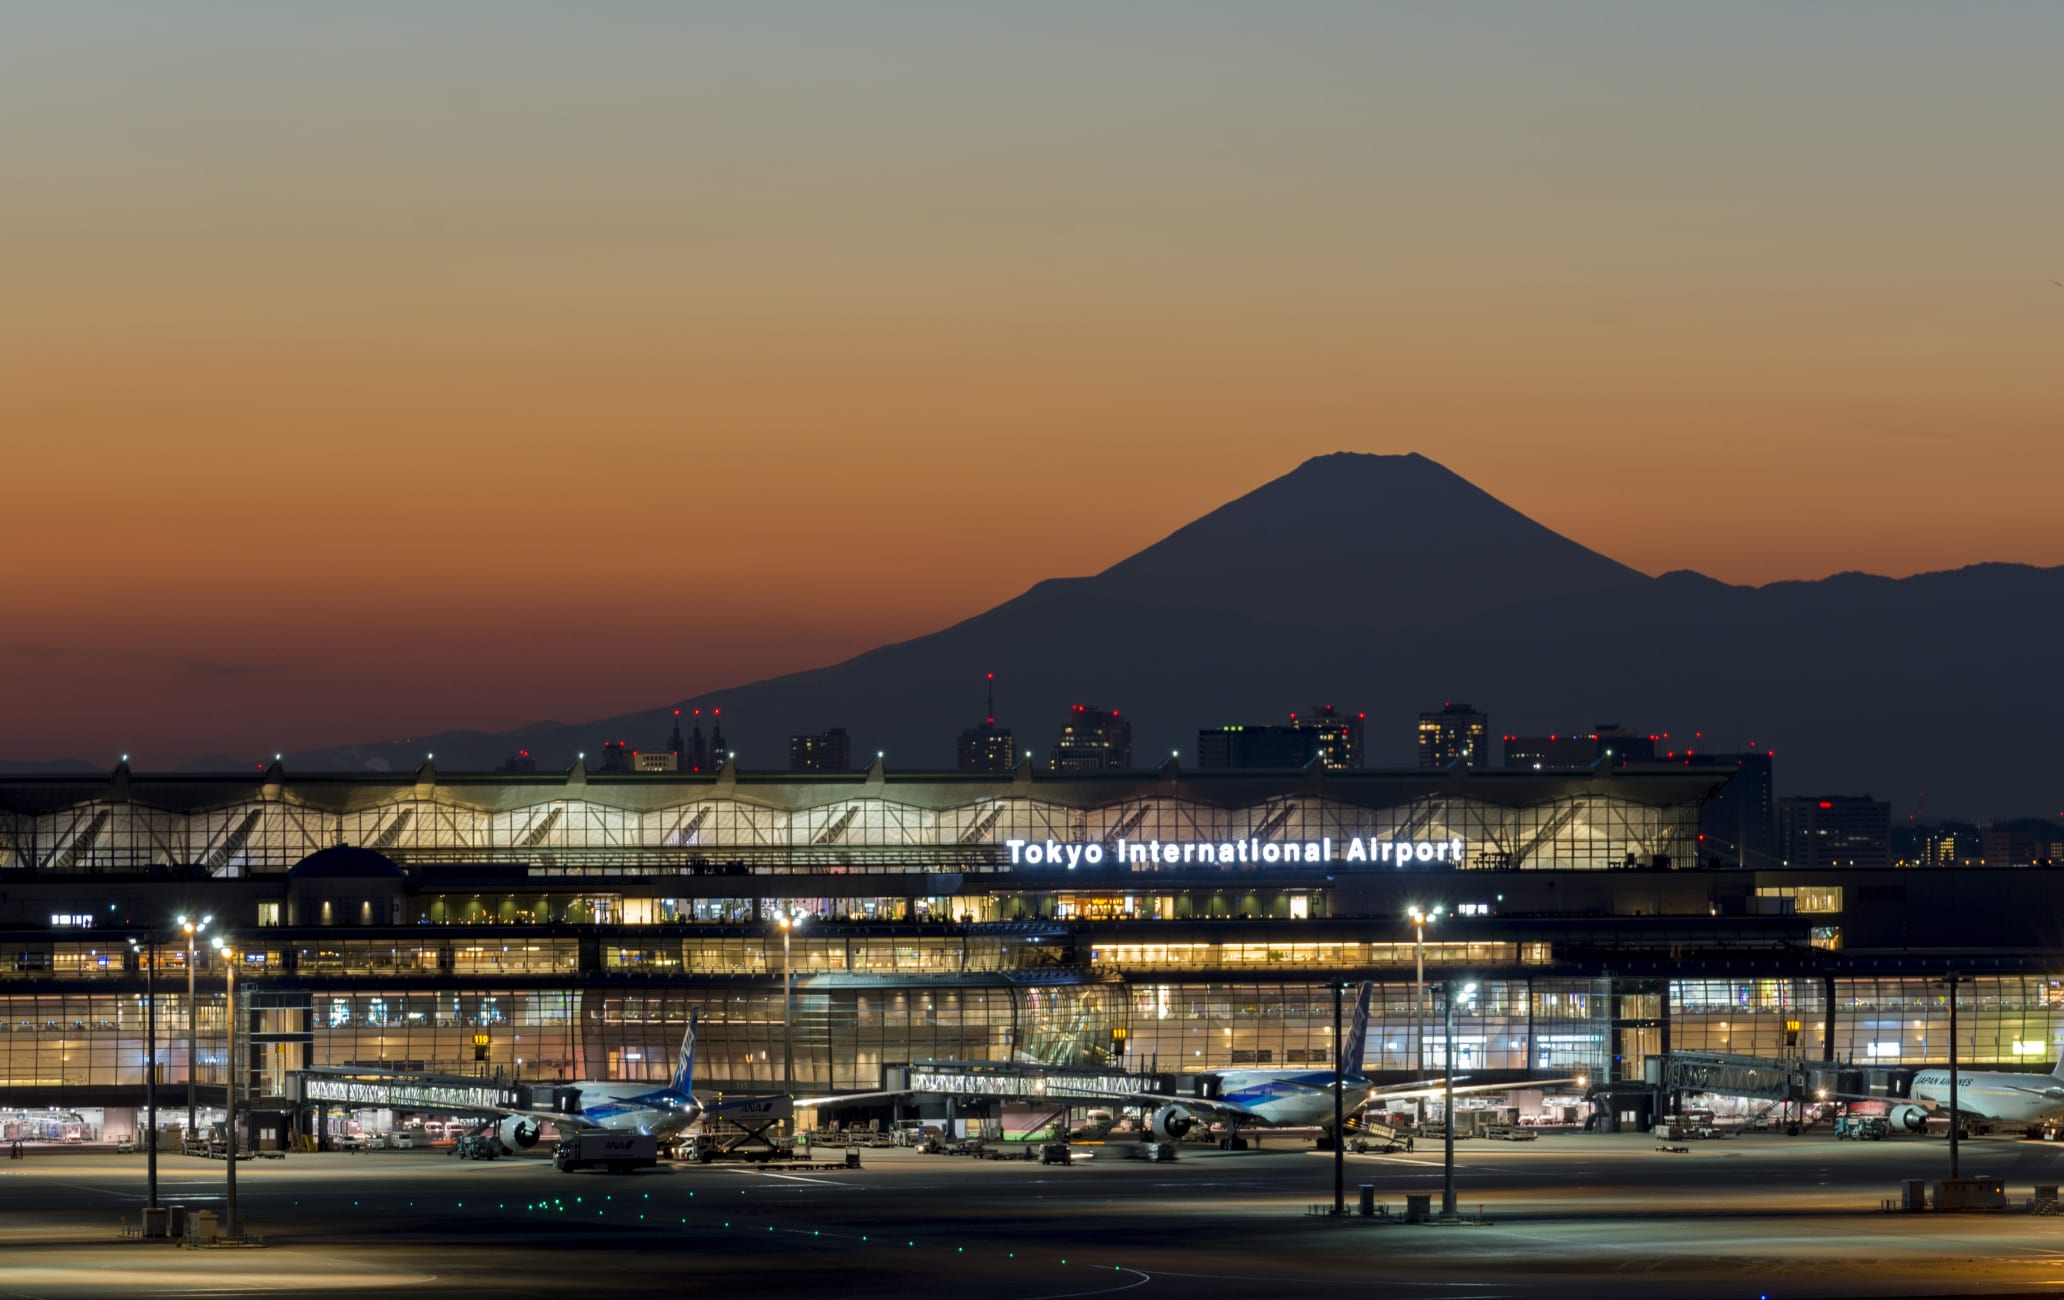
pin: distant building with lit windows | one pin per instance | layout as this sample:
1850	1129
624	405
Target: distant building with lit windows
1581	749
2023	844
1456	733
1091	740
1551	752
1834	831
1327	735
986	747
828	751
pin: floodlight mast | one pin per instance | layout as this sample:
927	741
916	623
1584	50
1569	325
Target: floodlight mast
193	928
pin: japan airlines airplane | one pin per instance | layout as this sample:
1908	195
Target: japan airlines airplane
617	1107
2031	1101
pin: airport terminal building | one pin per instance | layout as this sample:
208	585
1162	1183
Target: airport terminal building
564	926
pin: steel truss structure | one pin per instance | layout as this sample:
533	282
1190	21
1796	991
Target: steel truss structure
777	821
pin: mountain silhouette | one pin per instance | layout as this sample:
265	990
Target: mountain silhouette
1358	540
1387	585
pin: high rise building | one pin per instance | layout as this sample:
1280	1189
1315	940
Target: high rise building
616	756
1337	737
700	753
986	747
519	762
1738	825
1834	831
831	751
1332	737
1455	734
1092	740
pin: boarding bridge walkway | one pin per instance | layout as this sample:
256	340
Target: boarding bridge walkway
1763	1077
435	1094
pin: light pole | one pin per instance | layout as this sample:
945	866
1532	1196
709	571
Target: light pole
1339	1122
1448	1099
790	919
1420	920
193	929
1956	1122
149	948
230	1228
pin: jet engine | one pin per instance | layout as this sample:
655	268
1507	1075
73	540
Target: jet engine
1172	1123
519	1134
1911	1118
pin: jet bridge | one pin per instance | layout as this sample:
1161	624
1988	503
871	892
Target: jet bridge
1762	1077
445	1094
1011	1081
1765	1078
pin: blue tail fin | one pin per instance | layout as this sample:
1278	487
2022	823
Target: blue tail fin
684	1064
1357	1036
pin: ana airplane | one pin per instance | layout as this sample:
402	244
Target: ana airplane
1255	1098
1272	1098
617	1107
2031	1101
1293	1098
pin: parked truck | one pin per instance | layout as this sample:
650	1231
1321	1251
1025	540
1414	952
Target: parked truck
619	1153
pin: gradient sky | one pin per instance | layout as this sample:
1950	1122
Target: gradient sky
378	368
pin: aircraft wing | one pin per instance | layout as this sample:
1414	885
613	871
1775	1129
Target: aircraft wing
849	1098
1436	1088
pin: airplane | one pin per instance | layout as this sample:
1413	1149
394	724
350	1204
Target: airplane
1273	1098
2031	1101
613	1106
1295	1098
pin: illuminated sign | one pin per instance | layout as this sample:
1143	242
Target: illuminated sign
405	1096
970	1083
1368	849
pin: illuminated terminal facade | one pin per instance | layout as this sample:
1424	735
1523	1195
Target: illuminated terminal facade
564	926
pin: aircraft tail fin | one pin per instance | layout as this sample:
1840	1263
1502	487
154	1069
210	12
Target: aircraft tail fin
684	1064
2057	1071
1351	1048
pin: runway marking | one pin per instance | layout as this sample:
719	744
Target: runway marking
1144	1278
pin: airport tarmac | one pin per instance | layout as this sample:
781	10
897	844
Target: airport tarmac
1567	1215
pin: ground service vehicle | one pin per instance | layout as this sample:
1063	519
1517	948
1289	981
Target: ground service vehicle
619	1153
1868	1127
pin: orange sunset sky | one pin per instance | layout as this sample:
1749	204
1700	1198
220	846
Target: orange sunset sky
375	369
